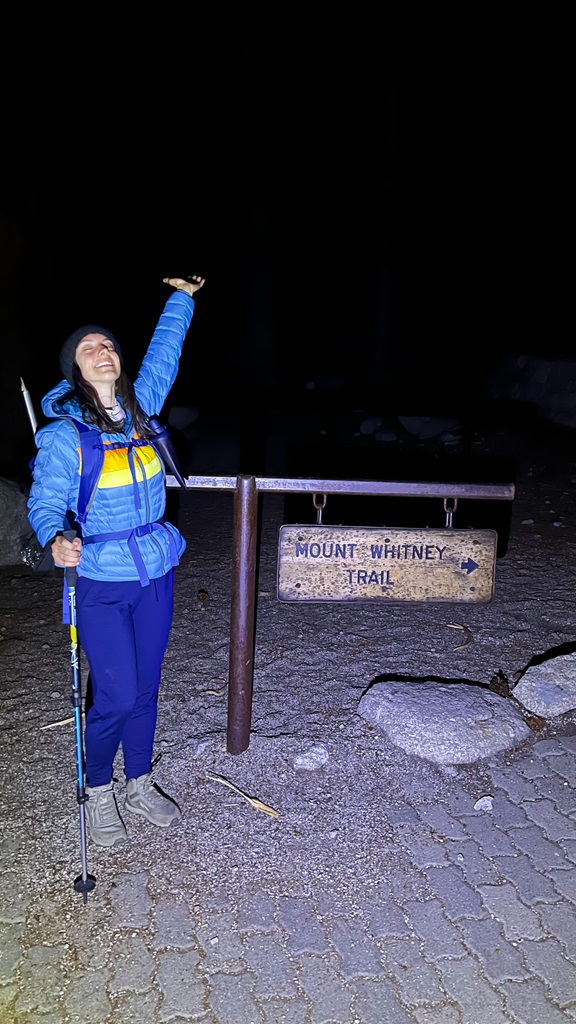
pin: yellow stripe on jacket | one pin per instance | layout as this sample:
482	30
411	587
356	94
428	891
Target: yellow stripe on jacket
116	470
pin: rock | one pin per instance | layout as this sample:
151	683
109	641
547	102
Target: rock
485	803
549	385
312	758
385	434
370	424
452	723
426	427
549	689
14	523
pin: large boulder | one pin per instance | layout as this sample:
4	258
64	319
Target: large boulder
14	525
449	723
548	689
549	385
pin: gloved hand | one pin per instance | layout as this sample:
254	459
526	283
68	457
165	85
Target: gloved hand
183	285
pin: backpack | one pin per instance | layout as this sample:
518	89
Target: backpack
92	450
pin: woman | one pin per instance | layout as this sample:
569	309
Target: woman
126	555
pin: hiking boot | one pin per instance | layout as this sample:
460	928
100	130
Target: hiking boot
105	826
144	797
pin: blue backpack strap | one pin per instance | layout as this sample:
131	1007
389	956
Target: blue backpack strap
130	536
92	461
92	454
92	451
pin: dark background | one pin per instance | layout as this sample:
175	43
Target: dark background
379	204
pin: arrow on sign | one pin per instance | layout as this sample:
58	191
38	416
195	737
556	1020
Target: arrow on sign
470	565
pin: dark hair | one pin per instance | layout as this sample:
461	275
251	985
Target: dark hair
94	413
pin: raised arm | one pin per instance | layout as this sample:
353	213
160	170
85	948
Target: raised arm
160	364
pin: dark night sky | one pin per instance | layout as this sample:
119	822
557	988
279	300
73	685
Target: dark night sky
293	171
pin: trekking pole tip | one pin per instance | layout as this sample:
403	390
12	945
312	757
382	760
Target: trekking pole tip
84	885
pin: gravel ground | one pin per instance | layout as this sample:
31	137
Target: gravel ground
202	890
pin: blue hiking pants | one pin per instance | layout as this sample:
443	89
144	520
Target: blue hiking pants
123	629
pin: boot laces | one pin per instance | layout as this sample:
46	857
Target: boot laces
146	784
104	810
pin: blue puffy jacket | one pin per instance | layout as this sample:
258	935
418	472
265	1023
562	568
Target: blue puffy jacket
131	491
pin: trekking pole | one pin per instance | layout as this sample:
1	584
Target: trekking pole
85	882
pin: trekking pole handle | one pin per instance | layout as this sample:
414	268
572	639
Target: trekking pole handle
70	572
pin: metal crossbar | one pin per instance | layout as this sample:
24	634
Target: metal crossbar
398	489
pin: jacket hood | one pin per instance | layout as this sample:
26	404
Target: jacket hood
70	408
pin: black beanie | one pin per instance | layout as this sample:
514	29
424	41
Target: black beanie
68	352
